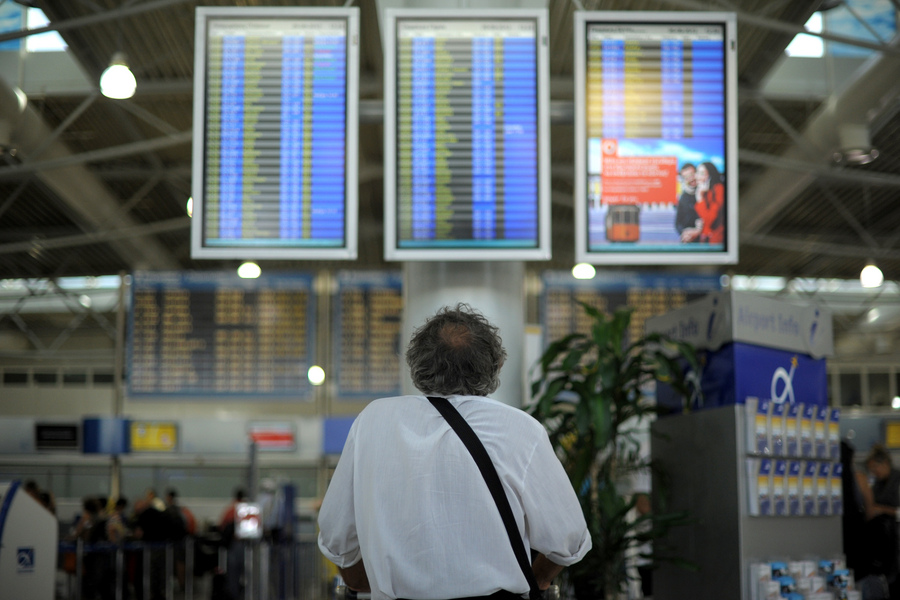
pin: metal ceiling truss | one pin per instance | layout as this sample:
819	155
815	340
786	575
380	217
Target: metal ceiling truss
41	289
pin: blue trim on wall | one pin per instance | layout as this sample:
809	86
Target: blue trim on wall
4	508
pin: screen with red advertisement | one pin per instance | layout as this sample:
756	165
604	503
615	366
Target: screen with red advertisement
656	131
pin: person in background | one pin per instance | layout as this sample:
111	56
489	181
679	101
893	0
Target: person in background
43	497
117	530
226	521
408	514
182	523
864	539
182	512
151	526
235	554
882	514
710	204
685	215
90	528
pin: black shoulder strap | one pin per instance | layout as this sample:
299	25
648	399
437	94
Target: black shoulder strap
483	460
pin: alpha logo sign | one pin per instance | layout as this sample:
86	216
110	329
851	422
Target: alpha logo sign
737	371
25	560
785	391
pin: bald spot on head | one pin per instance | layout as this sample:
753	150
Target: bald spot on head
456	336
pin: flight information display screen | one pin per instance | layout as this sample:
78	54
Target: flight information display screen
656	138
275	131
205	334
467	137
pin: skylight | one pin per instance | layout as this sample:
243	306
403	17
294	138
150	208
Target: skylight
808	45
42	42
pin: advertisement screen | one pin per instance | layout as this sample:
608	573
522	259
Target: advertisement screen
657	179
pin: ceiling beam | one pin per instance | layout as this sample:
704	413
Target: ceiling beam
93	207
113	152
873	88
807	246
100	17
788	28
109	235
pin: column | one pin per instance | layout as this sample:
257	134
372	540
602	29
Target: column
497	289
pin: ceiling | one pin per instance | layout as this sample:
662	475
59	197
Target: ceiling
92	186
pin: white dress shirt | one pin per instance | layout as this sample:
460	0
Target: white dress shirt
408	498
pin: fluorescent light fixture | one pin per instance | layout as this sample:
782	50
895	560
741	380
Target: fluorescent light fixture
118	81
583	271
871	276
249	270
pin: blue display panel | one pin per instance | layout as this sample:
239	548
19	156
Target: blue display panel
646	294
656	138
367	346
215	334
465	122
275	133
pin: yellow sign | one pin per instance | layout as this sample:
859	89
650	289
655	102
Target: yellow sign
153	436
892	435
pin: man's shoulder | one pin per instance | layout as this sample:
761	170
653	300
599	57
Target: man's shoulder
501	411
388	406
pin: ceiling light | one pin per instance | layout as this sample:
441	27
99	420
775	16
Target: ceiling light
895	403
118	81
855	145
190	206
249	270
871	276
583	271
873	315
316	375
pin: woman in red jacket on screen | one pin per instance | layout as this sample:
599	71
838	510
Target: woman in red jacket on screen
710	205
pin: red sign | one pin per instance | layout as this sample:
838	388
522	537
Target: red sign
638	179
273	436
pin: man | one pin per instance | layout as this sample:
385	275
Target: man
408	514
686	215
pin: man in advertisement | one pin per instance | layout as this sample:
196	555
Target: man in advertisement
686	215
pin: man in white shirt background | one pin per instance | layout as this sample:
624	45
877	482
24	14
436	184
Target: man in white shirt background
407	513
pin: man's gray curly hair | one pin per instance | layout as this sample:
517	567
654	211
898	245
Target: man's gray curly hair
457	351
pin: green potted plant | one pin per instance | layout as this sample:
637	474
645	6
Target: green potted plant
589	395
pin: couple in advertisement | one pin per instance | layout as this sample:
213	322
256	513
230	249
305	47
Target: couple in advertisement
700	216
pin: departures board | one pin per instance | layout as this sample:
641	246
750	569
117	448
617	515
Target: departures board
367	349
466	128
275	133
648	295
215	334
656	137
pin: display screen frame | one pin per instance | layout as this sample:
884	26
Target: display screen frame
633	253
441	250
253	249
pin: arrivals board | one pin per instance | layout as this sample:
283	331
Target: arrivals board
275	133
215	334
656	149
466	135
647	294
367	348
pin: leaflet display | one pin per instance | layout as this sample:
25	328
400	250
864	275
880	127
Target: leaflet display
466	136
275	133
656	131
214	334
